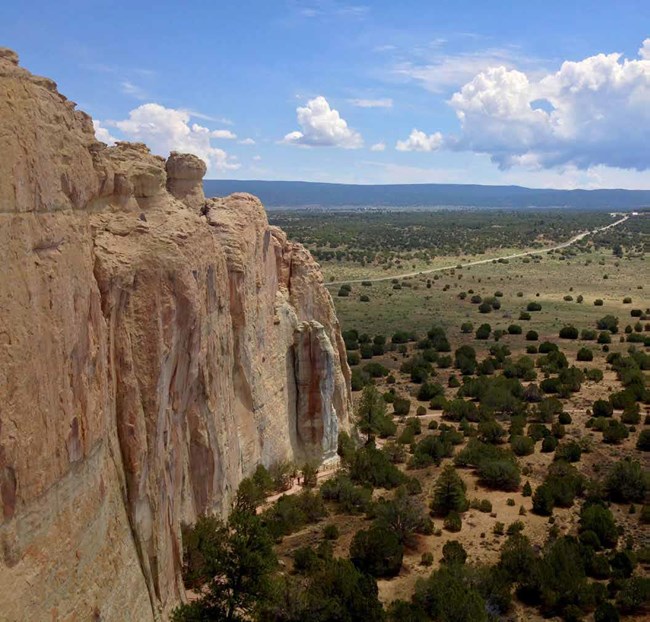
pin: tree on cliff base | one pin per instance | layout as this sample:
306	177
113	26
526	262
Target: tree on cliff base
372	419
229	565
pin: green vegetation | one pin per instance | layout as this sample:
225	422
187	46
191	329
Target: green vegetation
449	493
230	564
548	400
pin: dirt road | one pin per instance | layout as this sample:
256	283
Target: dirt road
478	262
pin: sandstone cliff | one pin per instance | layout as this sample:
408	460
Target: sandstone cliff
155	347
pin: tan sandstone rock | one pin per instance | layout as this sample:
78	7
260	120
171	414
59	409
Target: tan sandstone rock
154	348
185	173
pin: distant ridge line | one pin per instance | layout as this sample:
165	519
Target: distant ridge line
303	194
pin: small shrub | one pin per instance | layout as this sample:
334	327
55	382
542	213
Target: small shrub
608	322
453	553
569	332
522	445
466	327
626	482
569	452
426	559
353	358
585	355
482	505
602	408
549	444
330	532
615	432
594	375
643	442
515	528
377	552
453	522
604	338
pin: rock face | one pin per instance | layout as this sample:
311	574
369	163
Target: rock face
185	178
154	348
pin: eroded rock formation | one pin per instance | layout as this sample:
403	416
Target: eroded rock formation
154	348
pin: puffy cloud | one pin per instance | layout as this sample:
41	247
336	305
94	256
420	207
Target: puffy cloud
247	141
102	134
592	112
225	134
419	141
378	147
167	129
644	50
372	103
322	126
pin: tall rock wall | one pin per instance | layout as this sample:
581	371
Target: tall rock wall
155	347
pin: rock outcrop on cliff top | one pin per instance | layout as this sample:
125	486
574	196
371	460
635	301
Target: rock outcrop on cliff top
155	347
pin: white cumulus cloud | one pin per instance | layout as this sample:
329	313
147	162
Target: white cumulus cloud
419	141
224	134
102	134
322	126
644	50
247	141
378	147
592	112
167	129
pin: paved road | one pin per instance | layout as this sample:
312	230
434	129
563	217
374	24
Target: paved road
478	262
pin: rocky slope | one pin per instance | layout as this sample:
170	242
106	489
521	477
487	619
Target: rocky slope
154	348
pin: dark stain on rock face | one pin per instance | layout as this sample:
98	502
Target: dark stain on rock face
8	485
75	450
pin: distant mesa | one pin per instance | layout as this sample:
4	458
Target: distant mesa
297	194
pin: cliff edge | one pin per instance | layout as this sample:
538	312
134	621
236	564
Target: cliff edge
155	347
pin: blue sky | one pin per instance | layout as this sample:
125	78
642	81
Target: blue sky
553	94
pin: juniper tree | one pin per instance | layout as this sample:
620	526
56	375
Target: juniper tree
449	493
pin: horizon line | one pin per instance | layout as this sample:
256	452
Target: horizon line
433	183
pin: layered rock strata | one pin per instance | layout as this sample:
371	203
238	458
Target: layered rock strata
155	347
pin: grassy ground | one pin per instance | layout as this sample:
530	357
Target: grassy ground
342	270
478	535
416	307
427	300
